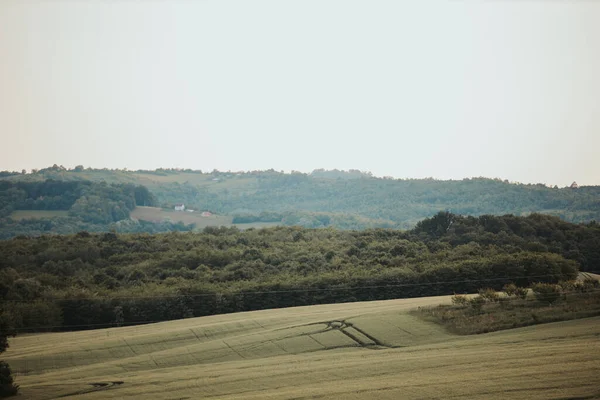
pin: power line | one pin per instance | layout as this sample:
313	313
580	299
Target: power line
136	323
299	290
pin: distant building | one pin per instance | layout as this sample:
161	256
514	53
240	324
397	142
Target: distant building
179	207
206	214
574	185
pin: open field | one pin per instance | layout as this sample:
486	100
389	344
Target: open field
155	214
588	275
349	351
36	214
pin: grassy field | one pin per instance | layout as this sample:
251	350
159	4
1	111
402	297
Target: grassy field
36	214
588	275
155	214
336	351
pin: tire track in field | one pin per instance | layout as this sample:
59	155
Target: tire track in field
96	387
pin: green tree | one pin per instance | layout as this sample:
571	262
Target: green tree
7	385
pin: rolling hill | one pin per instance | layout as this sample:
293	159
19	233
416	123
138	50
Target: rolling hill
351	351
343	199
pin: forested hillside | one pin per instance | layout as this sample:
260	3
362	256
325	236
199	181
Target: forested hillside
343	199
89	280
72	206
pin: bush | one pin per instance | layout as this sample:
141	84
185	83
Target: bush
477	303
570	286
510	289
7	386
546	292
521	293
590	285
489	295
509	313
585	286
460	300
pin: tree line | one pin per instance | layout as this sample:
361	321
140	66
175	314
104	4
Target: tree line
87	280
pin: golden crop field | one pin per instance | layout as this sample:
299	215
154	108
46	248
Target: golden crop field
349	351
155	214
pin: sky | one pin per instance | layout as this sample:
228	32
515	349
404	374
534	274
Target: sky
410	89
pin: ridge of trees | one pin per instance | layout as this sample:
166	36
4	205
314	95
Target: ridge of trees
86	280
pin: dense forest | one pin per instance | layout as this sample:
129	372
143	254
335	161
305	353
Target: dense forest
95	207
85	280
342	199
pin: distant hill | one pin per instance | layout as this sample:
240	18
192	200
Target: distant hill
33	207
343	199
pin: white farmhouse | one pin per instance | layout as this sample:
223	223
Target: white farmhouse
180	207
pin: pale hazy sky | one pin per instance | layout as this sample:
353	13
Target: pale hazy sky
420	88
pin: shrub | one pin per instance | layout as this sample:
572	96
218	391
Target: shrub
136	276
477	303
7	386
460	300
590	285
546	292
510	289
587	285
489	295
570	286
521	292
